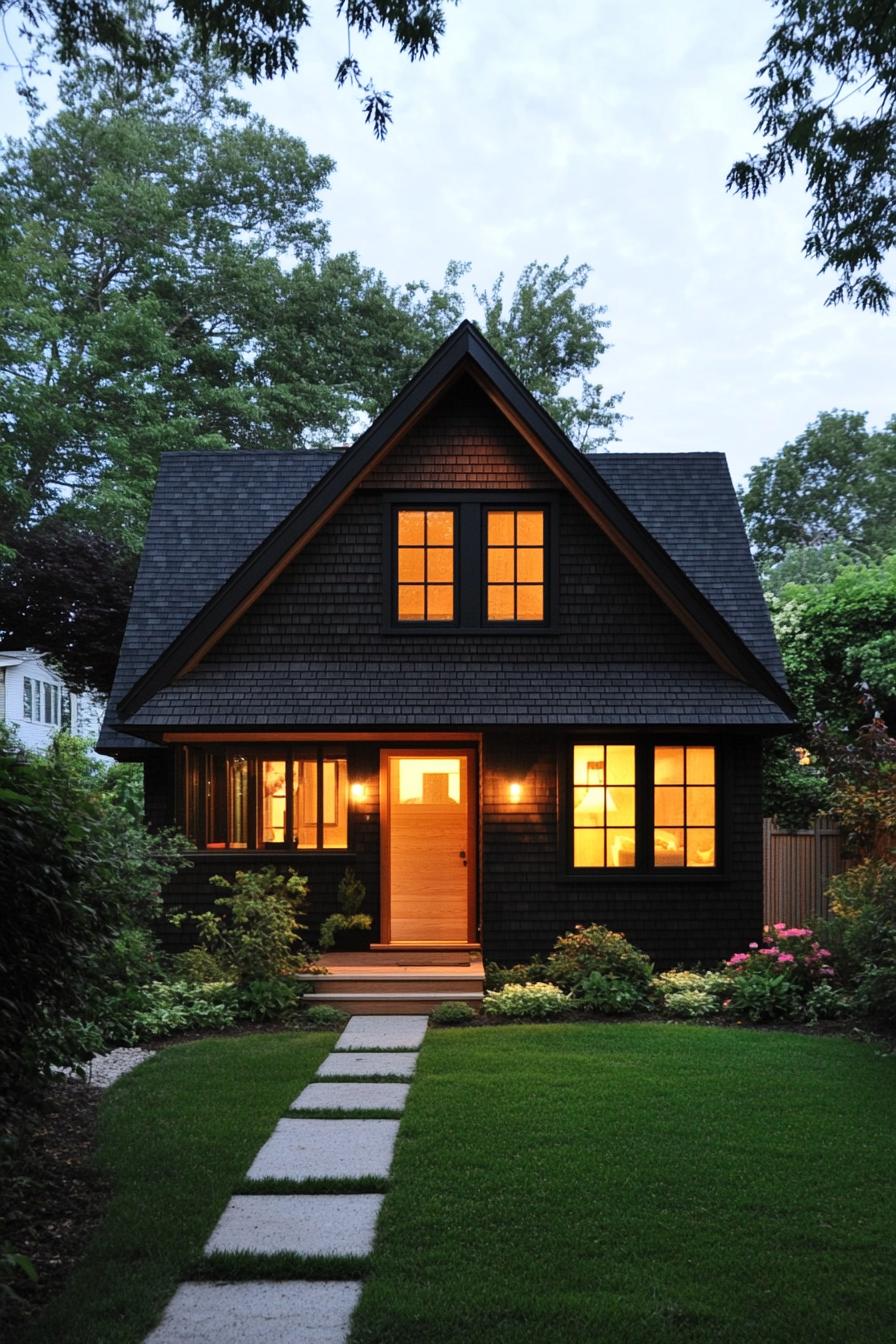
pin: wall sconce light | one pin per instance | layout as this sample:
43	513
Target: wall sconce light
358	792
516	791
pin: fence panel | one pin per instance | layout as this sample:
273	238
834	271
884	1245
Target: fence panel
797	866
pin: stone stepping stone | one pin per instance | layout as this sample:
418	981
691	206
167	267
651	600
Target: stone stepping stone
352	1097
258	1313
375	1032
300	1150
401	1063
302	1224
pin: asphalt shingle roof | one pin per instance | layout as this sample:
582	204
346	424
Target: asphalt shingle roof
212	510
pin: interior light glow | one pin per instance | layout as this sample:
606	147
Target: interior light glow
516	791
358	792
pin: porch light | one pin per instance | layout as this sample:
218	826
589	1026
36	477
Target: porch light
516	791
358	792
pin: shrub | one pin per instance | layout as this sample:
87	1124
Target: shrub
180	1006
323	1017
268	1000
81	873
527	1001
863	900
608	994
350	893
594	948
762	996
334	925
825	1002
524	973
452	1014
196	965
690	1003
257	934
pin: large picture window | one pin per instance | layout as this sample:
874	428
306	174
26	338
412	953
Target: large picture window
288	799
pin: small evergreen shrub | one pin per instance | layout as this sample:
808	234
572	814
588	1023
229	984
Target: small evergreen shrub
347	926
527	1001
595	948
608	994
452	1014
336	925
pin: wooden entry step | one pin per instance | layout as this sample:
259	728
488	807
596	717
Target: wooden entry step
374	982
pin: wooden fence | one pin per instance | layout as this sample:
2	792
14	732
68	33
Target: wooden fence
797	866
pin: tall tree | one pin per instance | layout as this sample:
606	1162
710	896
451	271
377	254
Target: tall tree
256	38
553	341
827	104
834	485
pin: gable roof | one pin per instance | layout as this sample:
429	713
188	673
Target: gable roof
674	516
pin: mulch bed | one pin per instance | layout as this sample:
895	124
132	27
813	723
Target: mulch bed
52	1198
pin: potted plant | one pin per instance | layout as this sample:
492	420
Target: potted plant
348	930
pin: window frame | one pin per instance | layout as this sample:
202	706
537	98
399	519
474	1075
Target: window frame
194	774
470	547
515	623
644	868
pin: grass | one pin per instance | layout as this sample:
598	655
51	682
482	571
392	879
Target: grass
177	1137
642	1184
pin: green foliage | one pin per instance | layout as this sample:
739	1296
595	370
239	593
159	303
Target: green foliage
826	1002
761	997
691	1003
608	994
794	789
180	1006
81	875
820	55
526	1001
197	966
14	1266
256	935
595	948
524	973
351	893
272	1000
863	902
831	493
256	41
862	771
335	925
545	302
452	1014
323	1017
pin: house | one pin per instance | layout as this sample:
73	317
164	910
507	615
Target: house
515	688
36	703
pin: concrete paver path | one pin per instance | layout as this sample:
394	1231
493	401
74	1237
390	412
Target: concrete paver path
258	1313
300	1150
302	1224
374	1032
371	1063
352	1097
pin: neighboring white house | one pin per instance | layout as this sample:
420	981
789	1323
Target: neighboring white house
35	701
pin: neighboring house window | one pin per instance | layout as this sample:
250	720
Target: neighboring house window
28	700
41	701
684	807
515	564
425	551
288	800
603	779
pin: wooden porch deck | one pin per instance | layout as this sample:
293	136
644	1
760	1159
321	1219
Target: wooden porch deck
400	980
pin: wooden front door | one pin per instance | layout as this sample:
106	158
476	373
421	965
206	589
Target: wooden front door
428	878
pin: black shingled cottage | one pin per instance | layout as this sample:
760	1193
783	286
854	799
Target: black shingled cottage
514	687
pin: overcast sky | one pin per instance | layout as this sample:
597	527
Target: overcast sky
603	132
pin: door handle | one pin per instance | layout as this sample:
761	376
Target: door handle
463	855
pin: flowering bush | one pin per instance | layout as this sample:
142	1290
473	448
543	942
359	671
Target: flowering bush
594	948
537	1000
795	953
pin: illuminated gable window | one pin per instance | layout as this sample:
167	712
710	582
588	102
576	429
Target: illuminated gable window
603	816
425	564
515	564
684	807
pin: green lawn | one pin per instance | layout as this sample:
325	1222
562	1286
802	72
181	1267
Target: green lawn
639	1183
579	1184
177	1136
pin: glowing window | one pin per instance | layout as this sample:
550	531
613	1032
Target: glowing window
515	565
684	807
603	817
425	564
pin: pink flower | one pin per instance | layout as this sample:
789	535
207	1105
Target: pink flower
779	927
768	951
738	959
796	933
823	952
753	947
726	1003
785	956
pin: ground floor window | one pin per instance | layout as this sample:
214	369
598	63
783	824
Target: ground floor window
234	798
644	806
